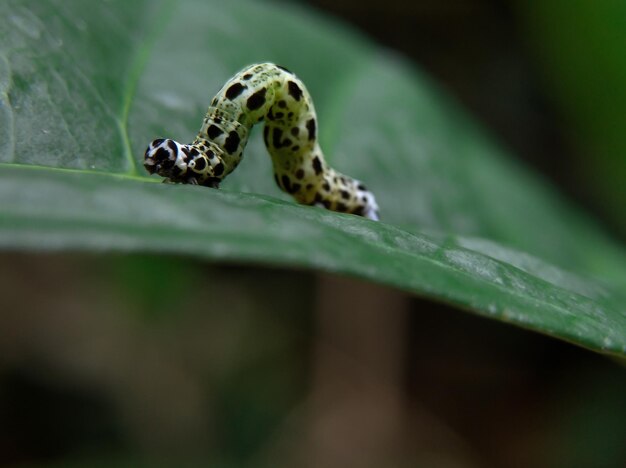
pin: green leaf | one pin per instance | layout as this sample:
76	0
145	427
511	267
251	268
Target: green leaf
85	86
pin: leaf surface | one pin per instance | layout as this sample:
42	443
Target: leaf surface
85	86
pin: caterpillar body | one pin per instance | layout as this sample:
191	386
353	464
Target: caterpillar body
271	93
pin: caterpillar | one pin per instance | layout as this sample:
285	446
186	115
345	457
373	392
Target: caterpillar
272	93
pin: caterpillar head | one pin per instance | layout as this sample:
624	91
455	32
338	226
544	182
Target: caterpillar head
182	163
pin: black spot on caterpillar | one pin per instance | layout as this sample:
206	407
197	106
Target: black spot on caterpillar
256	100
272	93
234	90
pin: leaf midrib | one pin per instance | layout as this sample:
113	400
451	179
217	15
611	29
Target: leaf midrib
137	65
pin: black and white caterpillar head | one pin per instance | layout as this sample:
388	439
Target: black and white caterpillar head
183	163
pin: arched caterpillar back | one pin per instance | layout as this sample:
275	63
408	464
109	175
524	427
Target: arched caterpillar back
272	93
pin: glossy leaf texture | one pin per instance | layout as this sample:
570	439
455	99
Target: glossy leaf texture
84	86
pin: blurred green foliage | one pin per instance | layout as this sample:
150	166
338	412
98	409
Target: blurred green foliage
581	51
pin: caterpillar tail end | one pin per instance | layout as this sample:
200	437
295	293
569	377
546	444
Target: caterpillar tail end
371	214
363	204
371	209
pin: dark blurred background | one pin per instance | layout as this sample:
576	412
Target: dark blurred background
164	361
548	77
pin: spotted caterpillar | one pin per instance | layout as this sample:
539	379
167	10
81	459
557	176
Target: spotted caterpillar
272	93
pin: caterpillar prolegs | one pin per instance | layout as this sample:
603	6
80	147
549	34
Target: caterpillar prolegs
272	93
